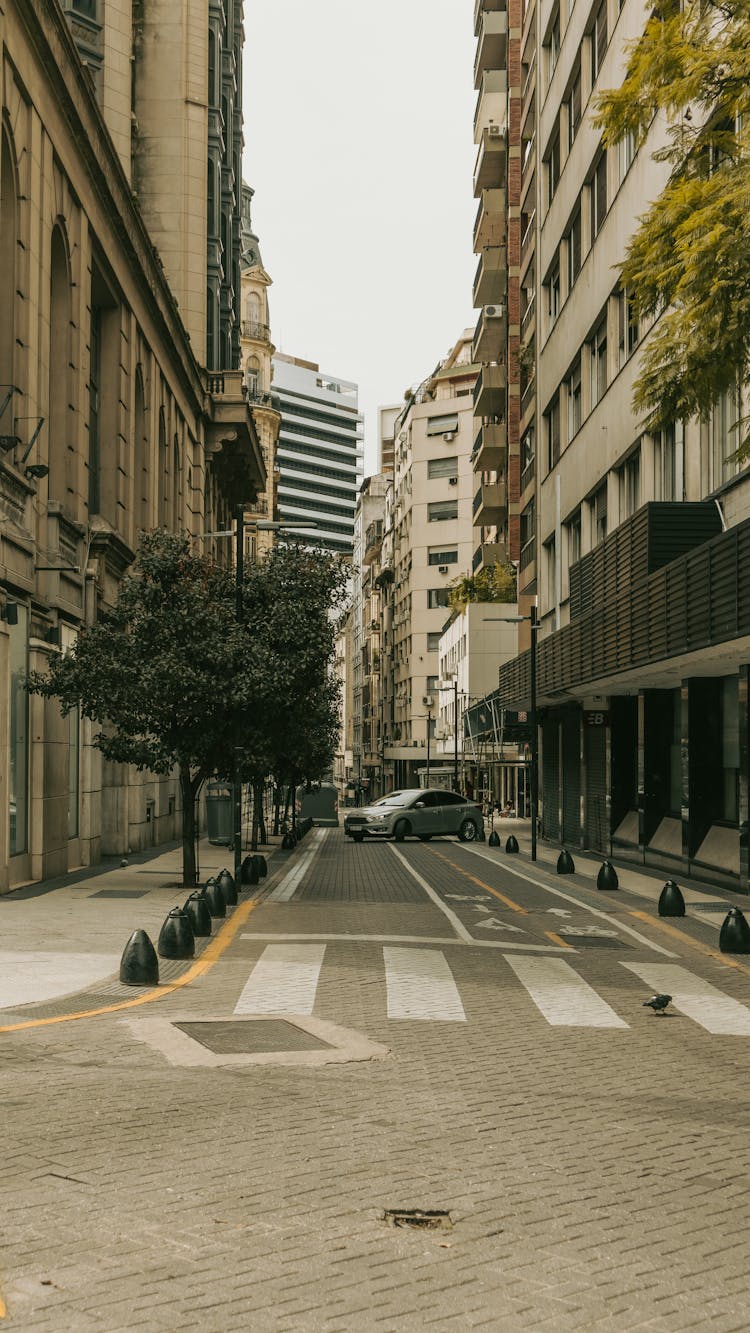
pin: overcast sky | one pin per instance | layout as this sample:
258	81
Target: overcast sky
358	144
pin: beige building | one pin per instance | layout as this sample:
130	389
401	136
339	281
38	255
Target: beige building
635	542
431	518
367	611
257	351
110	423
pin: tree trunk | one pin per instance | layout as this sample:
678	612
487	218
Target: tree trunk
259	822
286	803
187	791
277	808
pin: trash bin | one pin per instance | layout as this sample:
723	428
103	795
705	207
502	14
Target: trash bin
219	813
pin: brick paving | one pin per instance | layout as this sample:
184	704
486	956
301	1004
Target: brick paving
597	1180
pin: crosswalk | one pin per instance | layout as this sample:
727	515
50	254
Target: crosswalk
419	985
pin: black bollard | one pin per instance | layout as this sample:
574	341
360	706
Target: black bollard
511	844
493	840
260	862
139	965
215	900
565	863
197	913
225	880
671	901
176	938
286	843
607	877
734	936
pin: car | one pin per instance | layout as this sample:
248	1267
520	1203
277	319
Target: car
418	812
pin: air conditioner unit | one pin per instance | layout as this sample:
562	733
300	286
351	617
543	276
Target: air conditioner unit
442	569
453	481
449	435
494	131
428	700
494	311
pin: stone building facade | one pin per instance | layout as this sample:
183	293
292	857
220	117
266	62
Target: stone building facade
110	421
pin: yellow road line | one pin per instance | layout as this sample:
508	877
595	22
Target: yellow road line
698	945
213	951
495	893
3	1310
557	939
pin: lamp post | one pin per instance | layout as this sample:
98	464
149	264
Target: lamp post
241	525
534	623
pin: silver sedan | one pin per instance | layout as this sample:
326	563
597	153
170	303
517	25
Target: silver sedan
416	812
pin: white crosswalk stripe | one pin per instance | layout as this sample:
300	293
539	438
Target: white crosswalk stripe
283	981
420	984
698	999
561	995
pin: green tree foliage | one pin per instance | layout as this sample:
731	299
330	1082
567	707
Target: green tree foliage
689	259
495	584
174	680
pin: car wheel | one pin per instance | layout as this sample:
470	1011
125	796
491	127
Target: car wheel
358	837
468	831
425	837
402	828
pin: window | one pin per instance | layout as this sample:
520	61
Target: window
451	798
553	294
18	774
440	425
574	538
552	429
431	684
442	557
437	597
573	388
528	527
552	46
440	510
527	452
665	465
598	41
574	106
553	169
574	249
626	150
724	437
442	467
550	571
598	362
627	327
630	485
598	189
599	514
433	641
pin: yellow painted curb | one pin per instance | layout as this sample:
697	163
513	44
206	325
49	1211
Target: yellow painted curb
698	945
558	939
495	892
213	951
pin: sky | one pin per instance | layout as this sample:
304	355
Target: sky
359	146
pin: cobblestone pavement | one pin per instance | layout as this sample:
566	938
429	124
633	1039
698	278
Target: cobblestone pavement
422	1027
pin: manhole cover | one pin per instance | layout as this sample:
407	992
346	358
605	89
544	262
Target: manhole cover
119	893
253	1038
431	1219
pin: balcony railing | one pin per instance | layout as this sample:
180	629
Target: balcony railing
252	329
528	313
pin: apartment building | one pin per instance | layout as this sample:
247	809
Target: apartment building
109	420
369	520
639	541
430	542
320	452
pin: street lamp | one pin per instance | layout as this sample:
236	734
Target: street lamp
517	620
241	523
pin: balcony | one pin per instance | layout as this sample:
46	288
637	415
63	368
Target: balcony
528	318
492	102
489	170
373	541
490	450
487	555
491	277
259	332
492	43
482	6
528	236
489	392
489	335
489	504
231	436
489	224
528	397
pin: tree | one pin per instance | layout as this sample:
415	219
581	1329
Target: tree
688	262
159	672
495	584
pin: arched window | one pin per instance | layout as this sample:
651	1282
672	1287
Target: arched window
60	451
253	377
8	282
140	458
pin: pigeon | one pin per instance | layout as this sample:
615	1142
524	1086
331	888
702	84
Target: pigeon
658	1003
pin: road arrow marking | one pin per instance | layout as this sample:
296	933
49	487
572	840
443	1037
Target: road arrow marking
587	930
494	924
558	911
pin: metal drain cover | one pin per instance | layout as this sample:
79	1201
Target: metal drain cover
432	1219
254	1038
119	893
